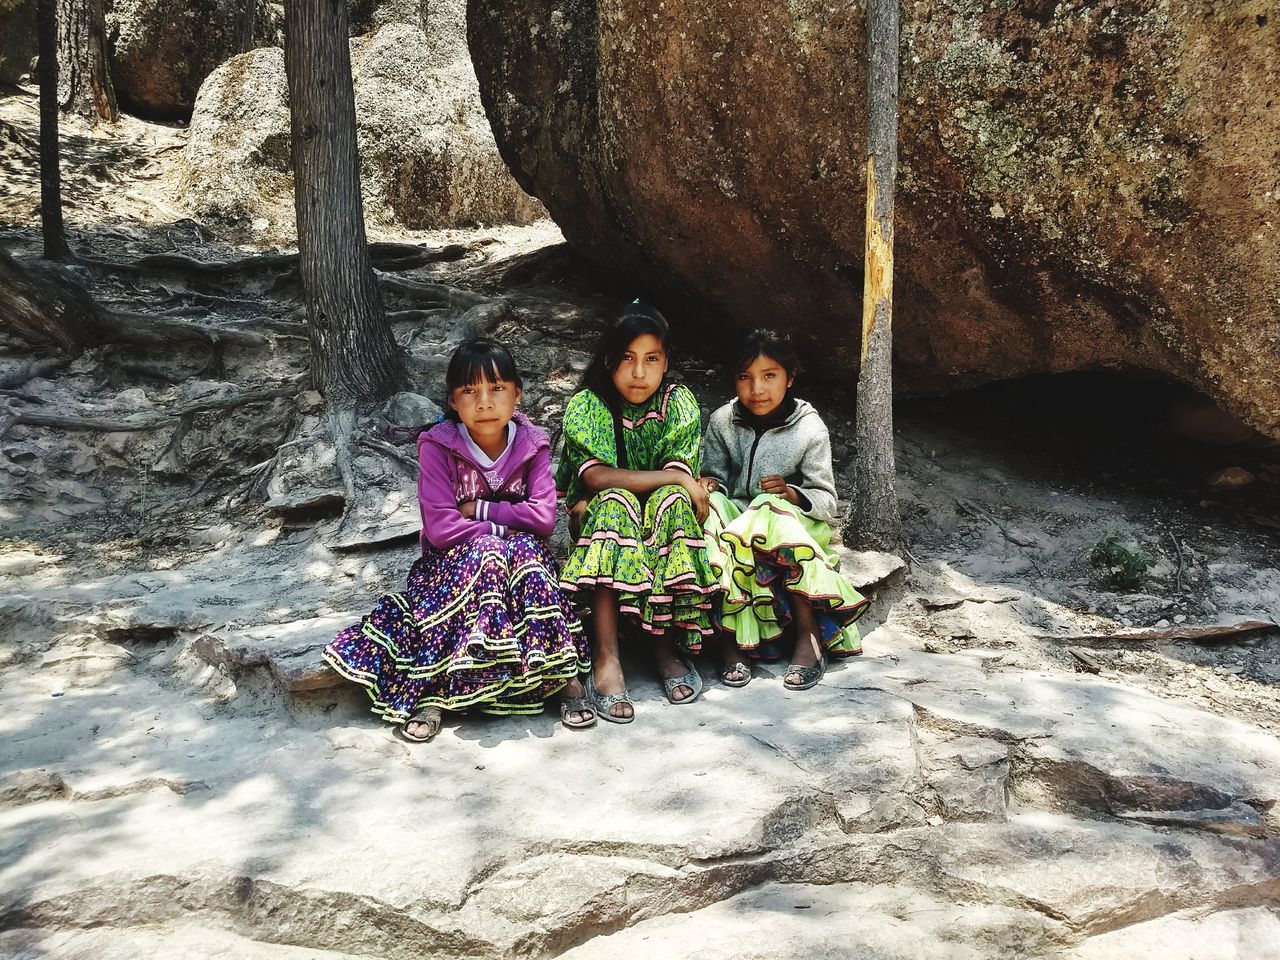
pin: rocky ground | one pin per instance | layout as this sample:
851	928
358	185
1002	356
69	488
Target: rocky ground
179	772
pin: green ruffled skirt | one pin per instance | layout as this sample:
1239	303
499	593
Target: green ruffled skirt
653	554
761	554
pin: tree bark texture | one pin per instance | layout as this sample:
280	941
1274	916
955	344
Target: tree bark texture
354	357
84	75
45	310
55	236
248	24
876	520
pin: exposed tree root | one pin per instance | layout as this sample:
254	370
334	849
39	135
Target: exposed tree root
19	416
32	370
385	256
171	462
44	308
144	329
407	463
435	294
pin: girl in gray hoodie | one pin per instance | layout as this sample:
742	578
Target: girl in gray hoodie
767	469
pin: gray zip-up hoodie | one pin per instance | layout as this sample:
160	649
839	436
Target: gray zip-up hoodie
737	454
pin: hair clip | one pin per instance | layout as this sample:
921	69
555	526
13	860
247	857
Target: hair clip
636	300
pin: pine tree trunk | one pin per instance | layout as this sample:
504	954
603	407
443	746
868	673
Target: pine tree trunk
55	236
354	357
84	77
248	26
876	521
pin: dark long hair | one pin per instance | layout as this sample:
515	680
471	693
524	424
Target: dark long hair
766	343
637	320
477	360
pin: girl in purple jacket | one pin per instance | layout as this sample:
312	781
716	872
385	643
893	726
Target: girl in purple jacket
483	623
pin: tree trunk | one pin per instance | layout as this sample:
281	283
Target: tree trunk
50	311
55	236
354	358
876	521
248	26
84	82
46	310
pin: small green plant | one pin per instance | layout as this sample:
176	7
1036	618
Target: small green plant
1122	564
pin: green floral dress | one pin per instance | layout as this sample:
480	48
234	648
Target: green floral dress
650	550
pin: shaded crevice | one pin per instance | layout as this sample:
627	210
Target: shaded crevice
1080	789
940	724
1157	905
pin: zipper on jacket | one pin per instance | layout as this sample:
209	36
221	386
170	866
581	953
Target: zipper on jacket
751	460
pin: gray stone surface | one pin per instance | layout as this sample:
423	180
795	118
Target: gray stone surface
427	154
162	50
1250	932
836	922
201	789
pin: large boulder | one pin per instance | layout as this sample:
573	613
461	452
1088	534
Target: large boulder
17	39
237	164
1082	185
427	154
162	50
366	16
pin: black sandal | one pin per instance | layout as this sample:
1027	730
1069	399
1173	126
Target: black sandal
739	666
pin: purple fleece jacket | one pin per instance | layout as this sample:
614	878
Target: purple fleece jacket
517	493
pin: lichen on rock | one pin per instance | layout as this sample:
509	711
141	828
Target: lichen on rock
1082	185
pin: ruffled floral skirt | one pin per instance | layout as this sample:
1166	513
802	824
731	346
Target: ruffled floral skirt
767	551
653	554
481	625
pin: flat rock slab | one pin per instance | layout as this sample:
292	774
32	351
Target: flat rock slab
1251	932
869	570
1088	744
290	651
291	825
833	922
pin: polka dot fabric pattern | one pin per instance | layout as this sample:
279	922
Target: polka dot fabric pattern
653	554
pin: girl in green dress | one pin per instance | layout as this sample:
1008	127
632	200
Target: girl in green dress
767	469
628	472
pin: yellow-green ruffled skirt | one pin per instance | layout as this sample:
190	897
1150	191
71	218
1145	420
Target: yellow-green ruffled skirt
767	551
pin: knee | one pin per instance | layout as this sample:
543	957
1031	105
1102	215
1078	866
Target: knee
491	543
662	494
616	495
520	544
620	509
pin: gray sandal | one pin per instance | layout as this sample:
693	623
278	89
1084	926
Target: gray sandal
692	679
570	705
809	675
603	703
